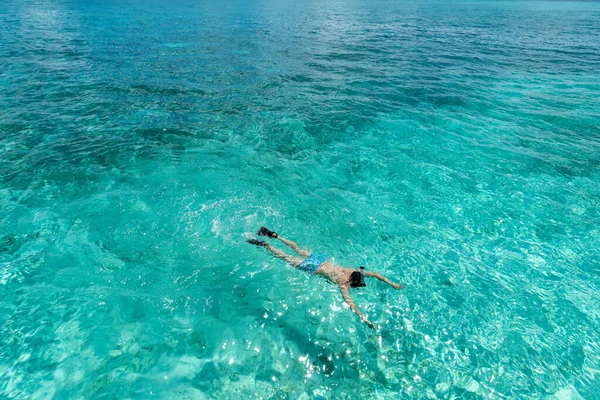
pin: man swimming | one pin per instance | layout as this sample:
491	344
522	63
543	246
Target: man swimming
315	263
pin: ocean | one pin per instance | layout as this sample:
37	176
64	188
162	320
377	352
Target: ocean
453	146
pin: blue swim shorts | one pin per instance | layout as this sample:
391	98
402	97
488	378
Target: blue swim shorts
312	263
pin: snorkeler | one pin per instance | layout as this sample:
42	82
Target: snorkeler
315	263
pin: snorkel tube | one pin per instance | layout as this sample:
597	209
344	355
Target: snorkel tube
361	281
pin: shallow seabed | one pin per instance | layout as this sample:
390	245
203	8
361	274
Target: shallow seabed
454	146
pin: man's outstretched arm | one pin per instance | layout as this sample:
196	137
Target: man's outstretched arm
384	279
348	300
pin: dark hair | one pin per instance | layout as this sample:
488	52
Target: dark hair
355	279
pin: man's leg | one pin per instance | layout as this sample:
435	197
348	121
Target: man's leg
294	246
294	261
383	279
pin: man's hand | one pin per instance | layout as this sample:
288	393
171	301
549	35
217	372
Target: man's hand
369	323
398	286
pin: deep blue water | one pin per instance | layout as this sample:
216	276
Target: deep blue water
450	145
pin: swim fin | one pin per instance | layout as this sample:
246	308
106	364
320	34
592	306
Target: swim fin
257	242
265	232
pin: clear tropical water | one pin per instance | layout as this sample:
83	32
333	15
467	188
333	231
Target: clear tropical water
454	146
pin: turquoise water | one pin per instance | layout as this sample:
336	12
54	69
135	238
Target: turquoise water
453	146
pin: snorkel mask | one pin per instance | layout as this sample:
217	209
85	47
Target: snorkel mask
357	278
